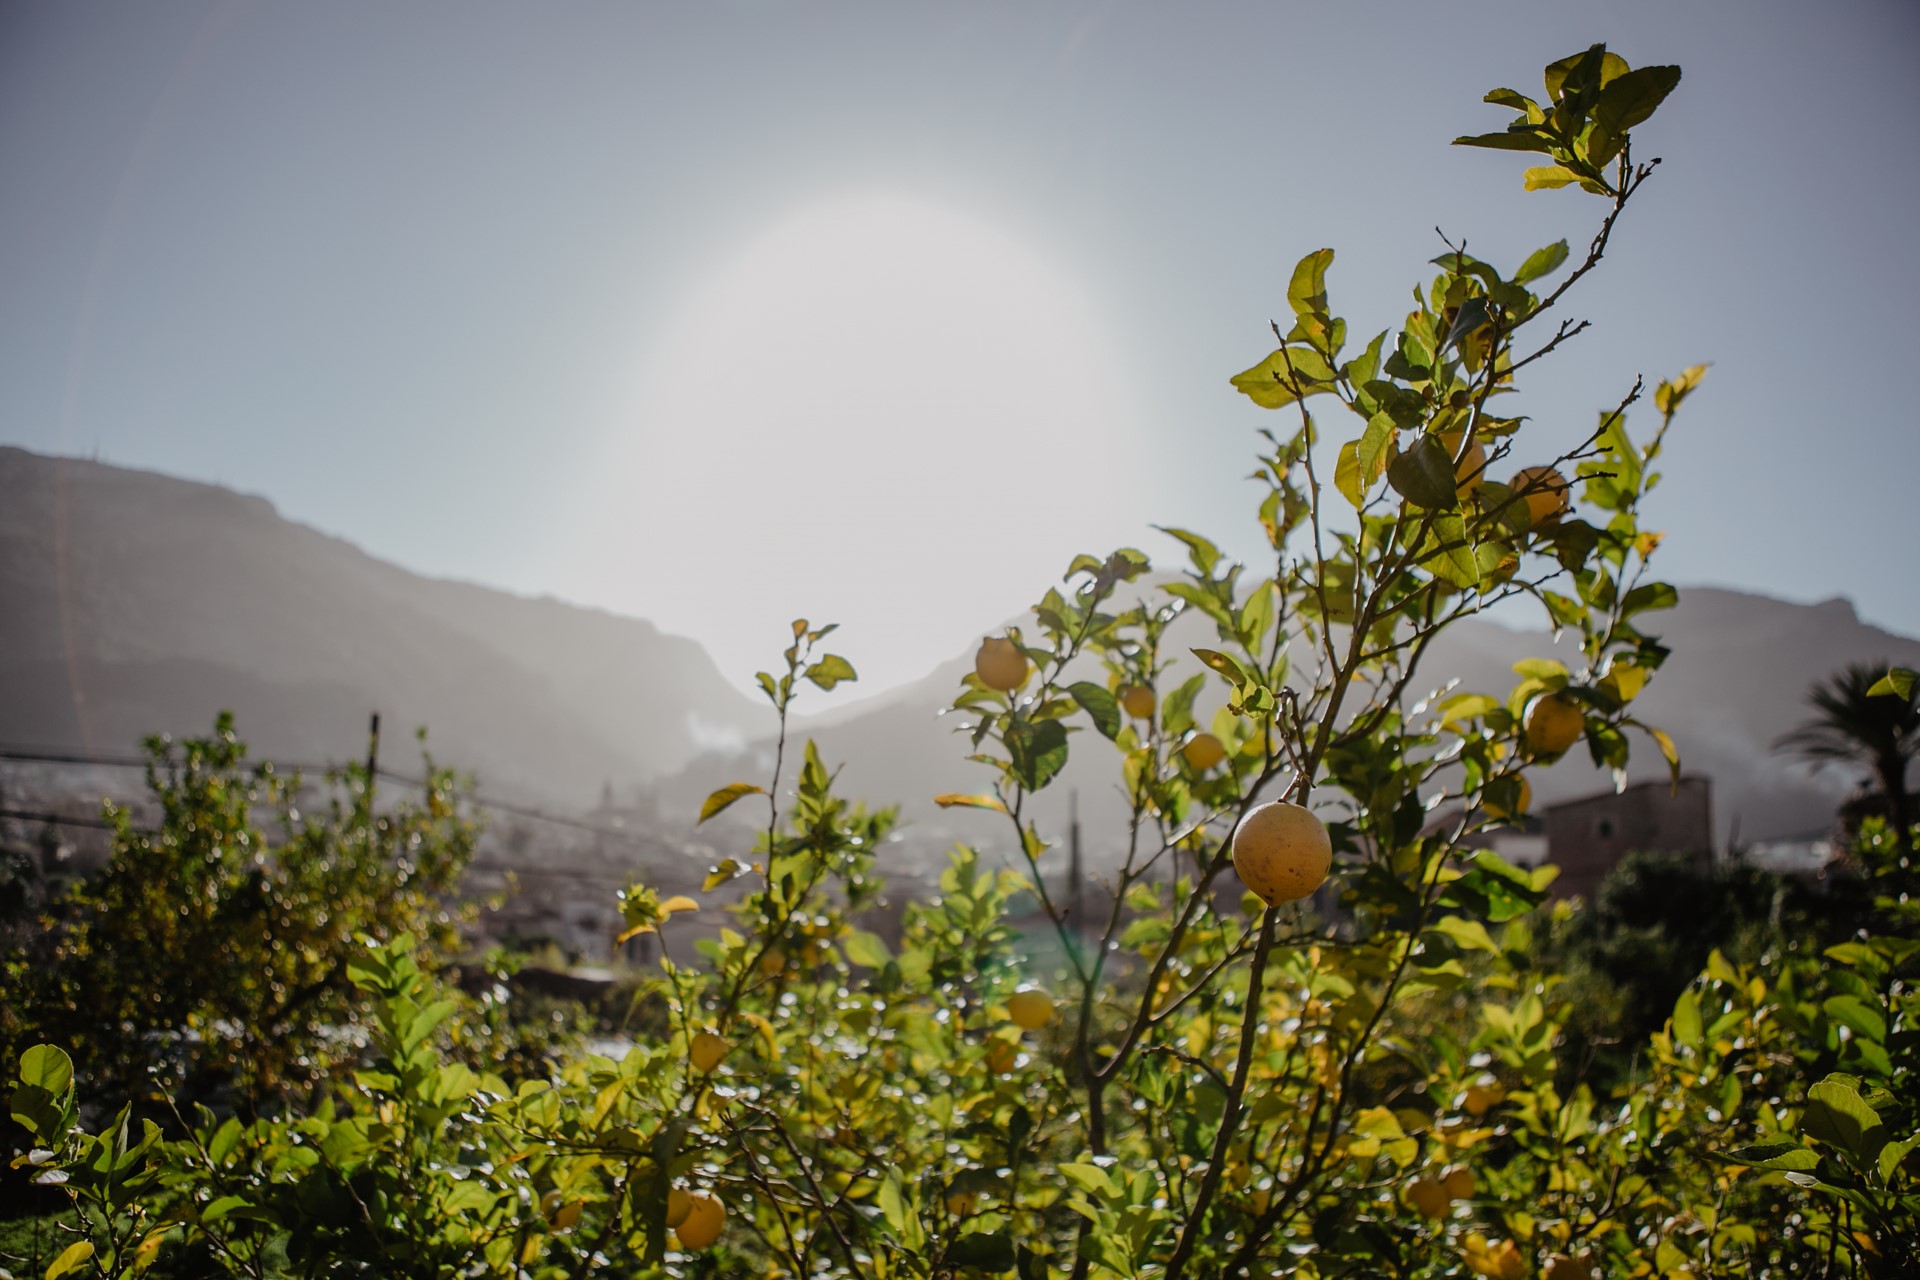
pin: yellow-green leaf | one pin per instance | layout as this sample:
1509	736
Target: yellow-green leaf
719	800
1346	475
71	1259
1548	176
958	800
1897	683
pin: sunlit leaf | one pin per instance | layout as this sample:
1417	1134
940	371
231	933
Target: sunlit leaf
830	671
719	800
956	800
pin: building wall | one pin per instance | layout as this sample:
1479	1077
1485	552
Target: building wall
1587	838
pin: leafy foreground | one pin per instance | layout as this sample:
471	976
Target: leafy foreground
1373	1082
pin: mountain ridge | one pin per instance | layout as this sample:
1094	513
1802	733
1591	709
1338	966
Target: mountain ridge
143	603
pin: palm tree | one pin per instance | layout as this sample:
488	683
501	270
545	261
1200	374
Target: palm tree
1881	731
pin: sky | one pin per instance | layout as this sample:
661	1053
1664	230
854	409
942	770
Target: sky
724	314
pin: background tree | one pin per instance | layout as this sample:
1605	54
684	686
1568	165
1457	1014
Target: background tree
1854	724
210	955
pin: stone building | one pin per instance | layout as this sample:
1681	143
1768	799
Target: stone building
1587	838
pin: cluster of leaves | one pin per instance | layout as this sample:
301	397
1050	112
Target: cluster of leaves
210	956
1376	1082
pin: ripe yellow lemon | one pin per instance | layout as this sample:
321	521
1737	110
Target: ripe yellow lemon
1000	664
1002	1056
1282	852
1030	1010
1137	701
1553	723
1460	1183
1525	805
1470	470
706	1051
1548	496
701	1227
1203	751
963	1204
679	1205
1428	1198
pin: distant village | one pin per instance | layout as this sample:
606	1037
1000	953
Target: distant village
547	884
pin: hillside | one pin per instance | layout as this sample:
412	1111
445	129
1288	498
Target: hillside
136	603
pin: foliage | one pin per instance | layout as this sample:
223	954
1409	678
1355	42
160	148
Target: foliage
1652	925
1865	713
210	956
1373	1083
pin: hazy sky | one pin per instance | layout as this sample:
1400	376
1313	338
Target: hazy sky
721	313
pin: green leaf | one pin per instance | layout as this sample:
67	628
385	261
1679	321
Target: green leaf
1037	751
1376	447
830	671
1668	395
1546	670
1200	551
1223	664
1892	1154
1257	613
1271	383
1452	558
1423	475
1090	1178
223	1206
1348	475
1307	290
1463	707
1837	1115
1548	177
1513	139
1581	72
866	949
70	1260
1776	1155
47	1067
1653	595
1099	704
1633	97
1470	934
1686	1019
719	800
1542	262
958	800
1859	1016
1897	683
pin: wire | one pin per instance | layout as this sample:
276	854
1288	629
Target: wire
36	755
26	815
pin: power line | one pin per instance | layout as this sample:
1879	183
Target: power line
61	820
102	759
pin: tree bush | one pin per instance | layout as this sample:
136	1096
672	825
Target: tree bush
210	956
1369	1082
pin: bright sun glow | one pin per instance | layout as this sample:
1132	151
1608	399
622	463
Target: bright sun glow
877	413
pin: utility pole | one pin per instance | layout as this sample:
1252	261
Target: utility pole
1076	892
373	758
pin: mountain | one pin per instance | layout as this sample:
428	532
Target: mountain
135	603
1736	681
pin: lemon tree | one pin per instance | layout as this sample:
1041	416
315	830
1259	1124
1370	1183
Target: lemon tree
1309	1033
